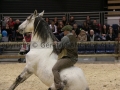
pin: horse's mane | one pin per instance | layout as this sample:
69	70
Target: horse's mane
42	30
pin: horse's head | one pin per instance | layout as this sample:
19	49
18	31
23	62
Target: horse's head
38	26
28	24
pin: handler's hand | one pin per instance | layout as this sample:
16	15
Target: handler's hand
55	42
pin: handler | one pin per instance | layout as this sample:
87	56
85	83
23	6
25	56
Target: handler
67	56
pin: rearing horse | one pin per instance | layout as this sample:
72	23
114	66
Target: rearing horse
41	57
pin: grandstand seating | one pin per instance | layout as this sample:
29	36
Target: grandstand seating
100	48
90	48
110	48
96	48
81	49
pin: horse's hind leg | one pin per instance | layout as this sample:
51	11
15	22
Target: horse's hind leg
21	78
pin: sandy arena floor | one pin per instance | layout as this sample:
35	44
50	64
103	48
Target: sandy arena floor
99	77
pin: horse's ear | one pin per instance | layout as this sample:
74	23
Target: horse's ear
41	14
35	12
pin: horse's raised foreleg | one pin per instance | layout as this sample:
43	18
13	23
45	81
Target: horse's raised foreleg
21	78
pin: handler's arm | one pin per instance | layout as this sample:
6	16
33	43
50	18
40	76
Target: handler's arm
64	43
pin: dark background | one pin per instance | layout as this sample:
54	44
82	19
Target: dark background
28	6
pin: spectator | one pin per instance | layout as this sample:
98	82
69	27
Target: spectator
76	29
88	21
73	32
110	36
47	20
64	20
27	37
104	32
4	22
17	23
7	28
56	21
53	27
95	27
60	26
93	37
19	37
25	48
11	23
59	32
9	31
85	27
82	36
71	21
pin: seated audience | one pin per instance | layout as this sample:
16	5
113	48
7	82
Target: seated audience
17	23
27	37
95	27
25	48
71	21
85	27
64	20
47	20
93	37
56	21
53	27
76	29
19	37
11	23
88	21
4	22
110	36
59	27
104	32
9	31
82	36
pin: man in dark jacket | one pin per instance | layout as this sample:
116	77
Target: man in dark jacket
68	55
93	37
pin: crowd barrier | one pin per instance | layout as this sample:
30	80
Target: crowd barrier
117	55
